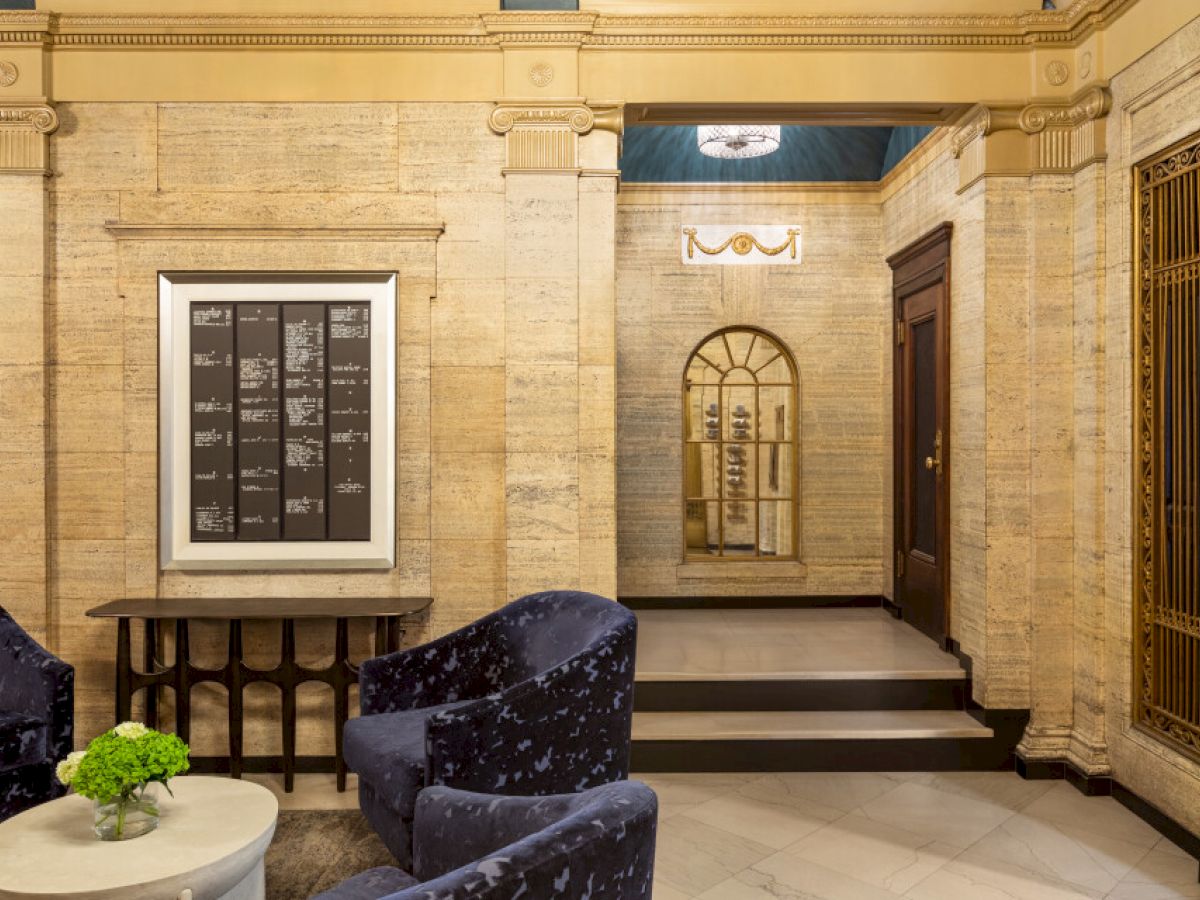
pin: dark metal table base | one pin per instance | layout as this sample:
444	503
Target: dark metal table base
235	675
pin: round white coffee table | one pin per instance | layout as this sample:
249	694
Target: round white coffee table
210	841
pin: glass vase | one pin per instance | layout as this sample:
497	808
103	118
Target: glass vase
127	815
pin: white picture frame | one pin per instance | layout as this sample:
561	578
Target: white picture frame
177	292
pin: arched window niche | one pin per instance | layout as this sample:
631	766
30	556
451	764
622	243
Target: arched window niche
740	453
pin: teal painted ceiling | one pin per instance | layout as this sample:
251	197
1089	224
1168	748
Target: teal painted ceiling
668	153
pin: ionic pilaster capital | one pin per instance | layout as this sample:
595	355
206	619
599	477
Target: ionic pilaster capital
25	126
543	135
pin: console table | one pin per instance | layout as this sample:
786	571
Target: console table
390	614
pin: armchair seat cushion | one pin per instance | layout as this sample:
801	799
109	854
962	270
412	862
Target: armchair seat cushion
370	885
23	740
388	752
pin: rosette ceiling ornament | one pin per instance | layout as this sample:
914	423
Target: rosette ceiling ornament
737	141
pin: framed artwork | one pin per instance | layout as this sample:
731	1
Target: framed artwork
277	423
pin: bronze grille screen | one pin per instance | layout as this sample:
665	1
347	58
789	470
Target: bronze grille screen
1167	279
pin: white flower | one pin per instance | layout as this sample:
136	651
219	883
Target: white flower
131	730
66	769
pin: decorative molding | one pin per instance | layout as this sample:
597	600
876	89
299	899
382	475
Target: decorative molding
543	136
741	242
254	232
1045	136
1057	72
25	127
9	73
1066	27
541	74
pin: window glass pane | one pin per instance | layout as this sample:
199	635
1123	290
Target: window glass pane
714	351
739	468
703	420
739	345
774	470
702	528
775	372
739	413
775	529
739	528
703	471
763	352
775	407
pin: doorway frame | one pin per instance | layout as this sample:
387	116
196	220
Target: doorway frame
921	264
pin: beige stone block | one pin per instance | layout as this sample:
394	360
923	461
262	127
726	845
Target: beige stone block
542	566
468	496
448	147
469	573
687	298
141	495
82	215
598	566
105	145
141	409
541	321
22	409
253	207
413	399
87	408
413	495
141	568
412	569
541	227
87	321
597	409
542	411
597	496
468	323
473	245
85	573
86	494
21	304
413	321
335	147
22	485
23	583
23	211
468	409
542	493
597	322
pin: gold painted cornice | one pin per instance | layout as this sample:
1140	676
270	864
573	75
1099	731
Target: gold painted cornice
586	29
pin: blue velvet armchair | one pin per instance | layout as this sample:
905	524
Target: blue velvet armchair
536	698
598	845
37	710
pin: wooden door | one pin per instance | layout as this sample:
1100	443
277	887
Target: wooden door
921	429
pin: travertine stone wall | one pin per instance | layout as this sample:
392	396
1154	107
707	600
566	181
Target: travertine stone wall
503	395
832	311
1156	102
23	210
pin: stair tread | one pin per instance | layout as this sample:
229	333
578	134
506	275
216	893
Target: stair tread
806	725
801	674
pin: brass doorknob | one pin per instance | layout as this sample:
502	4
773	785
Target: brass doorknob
929	462
934	463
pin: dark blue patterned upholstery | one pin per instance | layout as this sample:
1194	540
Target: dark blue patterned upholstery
597	845
37	709
536	698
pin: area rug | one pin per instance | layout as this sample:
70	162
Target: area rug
315	849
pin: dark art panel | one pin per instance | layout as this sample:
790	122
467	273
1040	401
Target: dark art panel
213	455
258	422
349	333
304	422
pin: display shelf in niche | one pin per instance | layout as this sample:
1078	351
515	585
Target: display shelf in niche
277	420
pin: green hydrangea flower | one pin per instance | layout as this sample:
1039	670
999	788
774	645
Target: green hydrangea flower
114	765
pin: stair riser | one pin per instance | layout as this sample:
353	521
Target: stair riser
722	696
900	755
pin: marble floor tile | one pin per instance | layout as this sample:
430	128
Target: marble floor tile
843	791
664	891
784	877
1002	788
693	856
870	851
1059	852
992	880
679	791
937	815
1160	875
774	825
1102	815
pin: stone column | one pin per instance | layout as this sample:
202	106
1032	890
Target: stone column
25	126
560	351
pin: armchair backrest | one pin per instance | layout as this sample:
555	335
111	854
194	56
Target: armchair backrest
599	843
37	683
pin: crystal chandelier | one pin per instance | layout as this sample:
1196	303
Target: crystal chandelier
737	141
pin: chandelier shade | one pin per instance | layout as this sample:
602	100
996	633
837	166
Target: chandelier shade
737	141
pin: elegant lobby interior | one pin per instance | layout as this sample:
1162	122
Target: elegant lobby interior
718	449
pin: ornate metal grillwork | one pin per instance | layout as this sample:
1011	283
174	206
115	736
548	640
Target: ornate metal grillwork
1167	471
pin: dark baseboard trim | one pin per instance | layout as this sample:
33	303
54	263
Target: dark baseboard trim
1106	786
894	610
955	649
850	694
813	601
258	765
